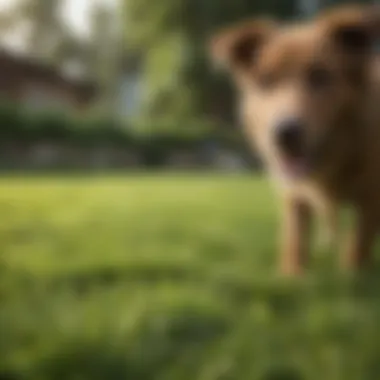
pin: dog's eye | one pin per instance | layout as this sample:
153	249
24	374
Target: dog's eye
318	77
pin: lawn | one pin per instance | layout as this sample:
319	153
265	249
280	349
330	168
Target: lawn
169	277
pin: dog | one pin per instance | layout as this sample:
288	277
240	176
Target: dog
309	101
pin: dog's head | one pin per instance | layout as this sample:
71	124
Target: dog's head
300	83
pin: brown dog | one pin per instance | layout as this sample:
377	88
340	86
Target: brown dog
310	100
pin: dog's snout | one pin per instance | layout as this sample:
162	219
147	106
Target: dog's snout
290	136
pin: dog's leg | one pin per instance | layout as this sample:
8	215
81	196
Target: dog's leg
360	241
295	236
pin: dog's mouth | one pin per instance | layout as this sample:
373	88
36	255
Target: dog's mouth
305	162
294	153
295	166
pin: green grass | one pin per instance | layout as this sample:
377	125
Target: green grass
169	278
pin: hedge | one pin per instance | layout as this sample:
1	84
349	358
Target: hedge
154	142
21	125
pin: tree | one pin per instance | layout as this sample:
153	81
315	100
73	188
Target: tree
154	31
46	32
172	35
50	39
105	52
47	36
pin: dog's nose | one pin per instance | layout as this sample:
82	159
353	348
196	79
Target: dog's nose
290	136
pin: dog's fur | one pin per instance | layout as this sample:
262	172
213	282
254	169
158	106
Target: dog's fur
325	73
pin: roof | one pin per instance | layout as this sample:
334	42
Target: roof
21	65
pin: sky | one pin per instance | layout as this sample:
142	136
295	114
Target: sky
76	12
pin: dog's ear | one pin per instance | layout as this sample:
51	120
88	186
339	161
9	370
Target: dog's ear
236	48
353	29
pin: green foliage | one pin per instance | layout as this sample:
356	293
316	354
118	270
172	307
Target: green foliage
169	278
153	141
171	36
49	38
12	123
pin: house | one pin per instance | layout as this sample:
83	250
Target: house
40	86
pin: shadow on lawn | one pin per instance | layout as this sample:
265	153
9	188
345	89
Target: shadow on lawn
271	322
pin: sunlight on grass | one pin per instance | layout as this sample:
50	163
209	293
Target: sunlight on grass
167	277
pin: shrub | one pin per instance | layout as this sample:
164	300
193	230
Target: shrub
153	141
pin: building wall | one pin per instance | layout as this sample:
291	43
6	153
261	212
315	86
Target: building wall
41	96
